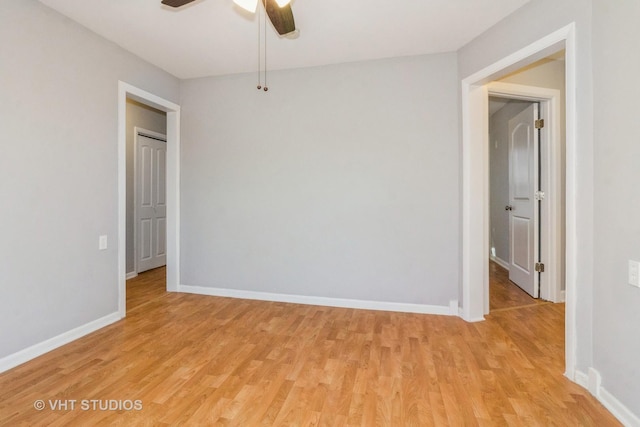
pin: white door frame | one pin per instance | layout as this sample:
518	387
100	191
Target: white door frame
475	179
138	131
125	91
550	221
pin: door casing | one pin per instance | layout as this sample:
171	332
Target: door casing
474	220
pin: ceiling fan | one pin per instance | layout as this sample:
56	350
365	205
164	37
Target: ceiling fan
278	11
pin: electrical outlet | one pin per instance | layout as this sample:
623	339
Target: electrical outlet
634	273
102	243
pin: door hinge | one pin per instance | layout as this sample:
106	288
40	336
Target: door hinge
539	195
539	124
539	267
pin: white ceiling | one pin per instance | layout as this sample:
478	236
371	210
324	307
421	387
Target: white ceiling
215	37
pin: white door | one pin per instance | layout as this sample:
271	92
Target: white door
151	205
523	208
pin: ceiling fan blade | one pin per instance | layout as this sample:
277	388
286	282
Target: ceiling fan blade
176	3
281	17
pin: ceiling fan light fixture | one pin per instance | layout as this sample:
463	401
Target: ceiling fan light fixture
283	3
248	5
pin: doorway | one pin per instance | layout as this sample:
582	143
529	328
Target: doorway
475	213
538	214
146	129
544	260
172	111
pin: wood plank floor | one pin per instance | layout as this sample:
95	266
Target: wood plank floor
504	294
199	360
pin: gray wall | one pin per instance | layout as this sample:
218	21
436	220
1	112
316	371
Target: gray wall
58	171
616	313
341	181
147	118
499	176
533	21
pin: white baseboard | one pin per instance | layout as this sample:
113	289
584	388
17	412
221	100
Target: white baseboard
131	275
593	383
22	356
563	296
581	379
471	319
502	263
620	411
329	302
454	309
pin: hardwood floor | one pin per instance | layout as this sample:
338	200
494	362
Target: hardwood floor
504	294
199	360
146	287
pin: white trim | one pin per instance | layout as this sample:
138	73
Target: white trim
619	410
454	307
125	91
137	132
475	241
550	221
581	379
29	353
592	382
571	216
323	301
475	221
502	263
131	275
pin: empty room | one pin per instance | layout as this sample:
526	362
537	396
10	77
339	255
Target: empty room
218	212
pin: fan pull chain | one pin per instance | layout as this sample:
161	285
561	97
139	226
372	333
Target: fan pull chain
259	56
262	22
265	44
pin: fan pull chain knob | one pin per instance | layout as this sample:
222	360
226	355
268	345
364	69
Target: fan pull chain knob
259	87
266	88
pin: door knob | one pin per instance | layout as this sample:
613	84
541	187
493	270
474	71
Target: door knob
508	208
